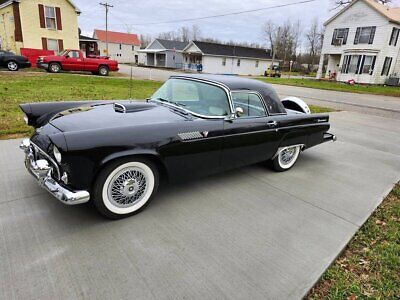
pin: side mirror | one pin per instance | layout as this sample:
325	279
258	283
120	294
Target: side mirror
239	111
67	56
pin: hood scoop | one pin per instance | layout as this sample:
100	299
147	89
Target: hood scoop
130	107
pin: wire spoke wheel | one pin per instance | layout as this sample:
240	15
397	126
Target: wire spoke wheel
286	158
127	187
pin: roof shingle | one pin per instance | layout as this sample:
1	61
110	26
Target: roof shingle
168	44
117	37
230	50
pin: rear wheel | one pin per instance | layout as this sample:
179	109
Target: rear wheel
286	158
125	187
12	66
54	68
103	71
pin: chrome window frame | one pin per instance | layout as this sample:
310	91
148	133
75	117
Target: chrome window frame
259	96
217	84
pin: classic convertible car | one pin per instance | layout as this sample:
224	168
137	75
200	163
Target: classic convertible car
115	152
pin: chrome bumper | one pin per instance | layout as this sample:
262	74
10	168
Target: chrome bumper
41	170
329	137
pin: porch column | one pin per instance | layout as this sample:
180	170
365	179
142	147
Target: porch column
320	66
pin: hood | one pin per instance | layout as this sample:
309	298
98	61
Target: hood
105	116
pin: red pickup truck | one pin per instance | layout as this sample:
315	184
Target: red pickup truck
73	60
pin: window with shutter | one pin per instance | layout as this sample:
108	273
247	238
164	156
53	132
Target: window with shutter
394	36
58	18
386	66
50	17
41	16
365	35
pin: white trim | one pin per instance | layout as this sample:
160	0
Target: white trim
8	3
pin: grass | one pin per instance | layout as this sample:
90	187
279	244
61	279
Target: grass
336	86
26	87
369	267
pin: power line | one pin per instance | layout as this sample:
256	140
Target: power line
224	15
107	7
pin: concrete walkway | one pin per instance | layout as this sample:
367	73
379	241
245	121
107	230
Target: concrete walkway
246	234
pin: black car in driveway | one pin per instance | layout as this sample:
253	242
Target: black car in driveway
114	152
12	61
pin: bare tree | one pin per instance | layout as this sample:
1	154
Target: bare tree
184	33
339	3
145	40
196	32
314	42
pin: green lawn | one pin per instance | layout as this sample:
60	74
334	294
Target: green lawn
336	86
23	87
369	267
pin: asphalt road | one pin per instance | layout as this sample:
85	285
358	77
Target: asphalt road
246	234
383	106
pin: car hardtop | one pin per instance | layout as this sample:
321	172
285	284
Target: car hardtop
237	83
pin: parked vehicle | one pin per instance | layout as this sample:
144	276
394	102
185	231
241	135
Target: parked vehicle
274	71
12	61
114	152
74	60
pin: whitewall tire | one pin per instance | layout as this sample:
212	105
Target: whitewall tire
125	187
286	158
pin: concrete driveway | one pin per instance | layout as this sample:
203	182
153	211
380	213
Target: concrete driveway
246	234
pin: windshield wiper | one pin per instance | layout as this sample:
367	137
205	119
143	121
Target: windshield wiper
170	101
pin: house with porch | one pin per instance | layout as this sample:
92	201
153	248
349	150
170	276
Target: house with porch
163	53
122	47
88	45
361	43
38	25
226	59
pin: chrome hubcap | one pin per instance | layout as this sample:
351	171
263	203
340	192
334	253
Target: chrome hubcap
103	71
55	68
127	187
287	155
12	66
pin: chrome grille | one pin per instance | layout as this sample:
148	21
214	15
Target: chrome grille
40	154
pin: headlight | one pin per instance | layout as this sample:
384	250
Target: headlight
57	154
26	119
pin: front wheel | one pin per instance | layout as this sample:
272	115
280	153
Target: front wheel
286	158
125	187
12	66
54	68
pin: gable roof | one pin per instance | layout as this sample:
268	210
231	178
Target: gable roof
230	50
117	37
168	44
391	13
4	3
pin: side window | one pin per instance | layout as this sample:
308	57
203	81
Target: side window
250	103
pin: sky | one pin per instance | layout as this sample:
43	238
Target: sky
130	15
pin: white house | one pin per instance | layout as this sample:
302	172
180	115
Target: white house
226	59
122	47
361	43
163	53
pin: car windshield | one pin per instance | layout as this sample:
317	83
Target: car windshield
197	97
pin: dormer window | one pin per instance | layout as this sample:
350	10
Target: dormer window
365	35
50	15
340	36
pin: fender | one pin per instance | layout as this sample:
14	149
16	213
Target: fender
296	104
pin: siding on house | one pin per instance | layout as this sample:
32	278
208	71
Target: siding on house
32	31
163	53
361	14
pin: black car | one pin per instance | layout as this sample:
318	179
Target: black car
12	61
115	152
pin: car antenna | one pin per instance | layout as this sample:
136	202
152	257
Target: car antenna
130	84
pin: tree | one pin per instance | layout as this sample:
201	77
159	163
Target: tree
340	3
314	42
145	40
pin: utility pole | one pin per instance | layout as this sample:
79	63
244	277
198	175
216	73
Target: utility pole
107	7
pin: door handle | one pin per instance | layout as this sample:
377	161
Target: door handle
272	123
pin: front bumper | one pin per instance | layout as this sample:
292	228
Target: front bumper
42	170
42	65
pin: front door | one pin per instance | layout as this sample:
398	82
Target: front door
252	137
73	62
